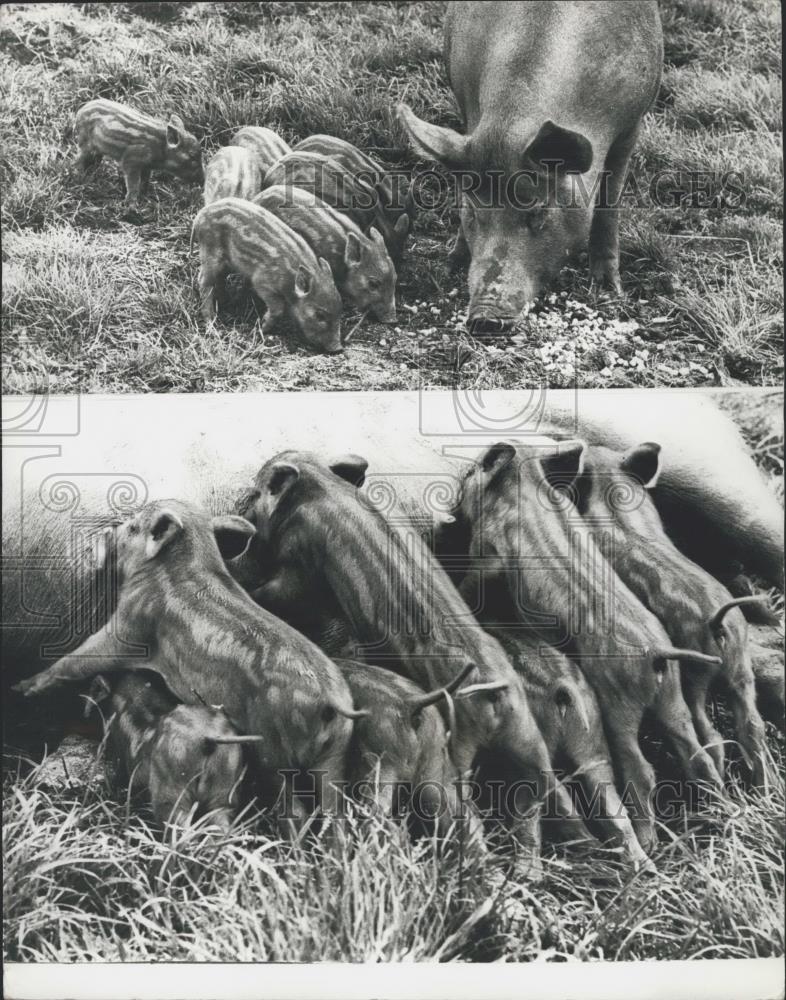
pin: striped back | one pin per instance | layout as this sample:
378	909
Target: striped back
255	232
212	642
266	145
682	594
232	173
329	181
396	597
555	566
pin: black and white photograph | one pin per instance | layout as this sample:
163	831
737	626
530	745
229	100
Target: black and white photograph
290	681
562	193
393	546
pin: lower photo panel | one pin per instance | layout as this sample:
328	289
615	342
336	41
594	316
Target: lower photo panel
384	676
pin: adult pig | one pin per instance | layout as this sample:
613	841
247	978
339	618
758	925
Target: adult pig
552	95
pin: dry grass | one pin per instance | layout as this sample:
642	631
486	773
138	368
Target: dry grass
104	304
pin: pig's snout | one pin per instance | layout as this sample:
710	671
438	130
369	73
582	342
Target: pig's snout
483	326
495	311
501	286
386	315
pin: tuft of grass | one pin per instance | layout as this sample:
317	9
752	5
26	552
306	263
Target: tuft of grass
339	68
86	880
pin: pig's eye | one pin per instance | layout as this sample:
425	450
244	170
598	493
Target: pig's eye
322	315
373	284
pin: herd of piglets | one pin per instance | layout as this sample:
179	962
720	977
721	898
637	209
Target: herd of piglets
309	228
292	626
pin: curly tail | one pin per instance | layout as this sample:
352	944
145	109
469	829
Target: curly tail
423	701
715	623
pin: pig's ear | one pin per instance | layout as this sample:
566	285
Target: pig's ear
352	468
325	268
232	534
283	477
98	549
174	131
166	528
99	691
563	467
244	503
495	458
304	279
375	236
643	463
352	250
566	696
570	151
401	227
432	141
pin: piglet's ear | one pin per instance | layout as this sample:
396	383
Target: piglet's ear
352	250
563	467
283	477
304	279
99	691
244	503
495	458
402	226
174	131
352	468
97	553
232	534
643	463
166	528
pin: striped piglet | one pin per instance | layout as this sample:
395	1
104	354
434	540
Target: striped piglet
236	235
139	143
183	758
177	599
363	271
265	145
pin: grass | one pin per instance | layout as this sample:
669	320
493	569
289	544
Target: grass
100	304
85	880
86	877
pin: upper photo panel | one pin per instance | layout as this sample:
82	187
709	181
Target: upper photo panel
343	196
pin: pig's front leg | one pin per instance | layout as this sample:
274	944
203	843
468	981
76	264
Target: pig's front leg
459	253
98	654
136	168
276	307
604	243
144	182
210	282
